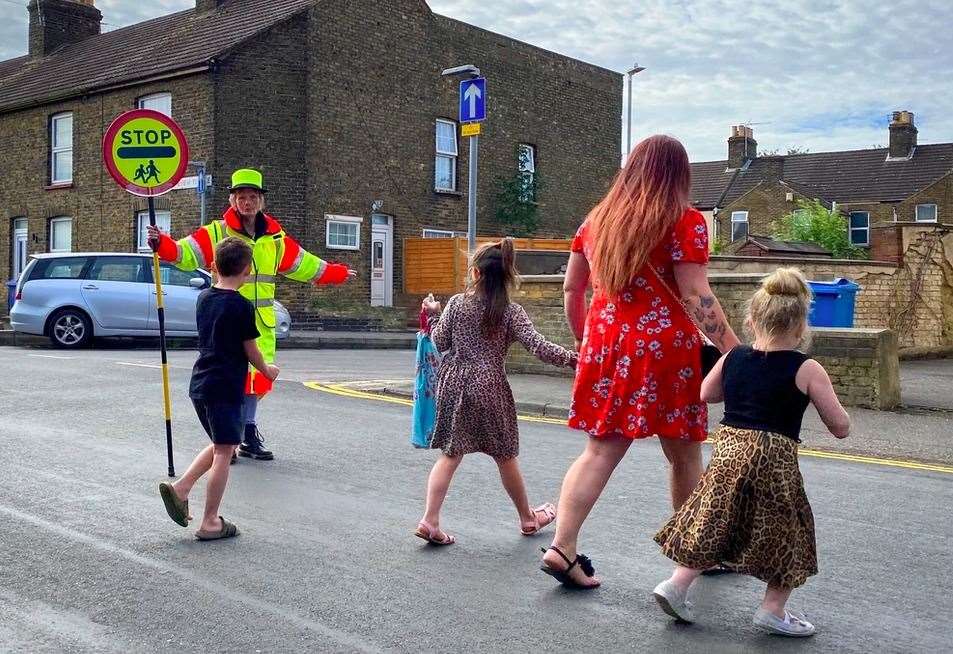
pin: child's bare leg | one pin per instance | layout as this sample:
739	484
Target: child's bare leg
183	485
683	577
512	480
215	489
775	599
437	486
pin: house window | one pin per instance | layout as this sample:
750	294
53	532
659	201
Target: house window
18	246
445	164
61	148
860	228
163	222
527	169
926	213
161	102
442	233
739	225
61	234
344	232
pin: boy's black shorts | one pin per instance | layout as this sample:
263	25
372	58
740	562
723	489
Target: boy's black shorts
224	422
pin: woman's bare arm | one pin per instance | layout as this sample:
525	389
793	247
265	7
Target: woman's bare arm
698	298
574	294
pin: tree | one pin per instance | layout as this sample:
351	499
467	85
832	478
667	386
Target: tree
516	206
777	151
815	223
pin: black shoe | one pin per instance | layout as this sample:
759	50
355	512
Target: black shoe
254	445
234	459
717	570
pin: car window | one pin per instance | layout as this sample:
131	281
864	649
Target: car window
64	268
118	269
172	276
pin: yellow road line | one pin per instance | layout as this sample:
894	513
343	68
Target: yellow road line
343	391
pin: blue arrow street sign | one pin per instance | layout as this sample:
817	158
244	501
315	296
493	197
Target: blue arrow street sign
473	100
200	185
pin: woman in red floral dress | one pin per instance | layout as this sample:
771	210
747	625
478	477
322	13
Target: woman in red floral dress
639	372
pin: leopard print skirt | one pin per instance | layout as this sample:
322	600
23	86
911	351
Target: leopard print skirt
748	512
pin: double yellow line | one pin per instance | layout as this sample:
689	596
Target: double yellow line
344	391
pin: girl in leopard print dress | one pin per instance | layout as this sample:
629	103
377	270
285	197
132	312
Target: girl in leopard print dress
749	511
475	408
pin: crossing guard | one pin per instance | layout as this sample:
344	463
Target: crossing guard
274	253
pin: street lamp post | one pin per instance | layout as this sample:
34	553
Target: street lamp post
636	69
472	72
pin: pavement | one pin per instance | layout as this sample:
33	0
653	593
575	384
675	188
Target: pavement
326	561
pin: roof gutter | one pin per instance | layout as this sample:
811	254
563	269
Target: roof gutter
185	72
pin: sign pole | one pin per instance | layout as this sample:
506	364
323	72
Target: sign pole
160	308
472	194
146	153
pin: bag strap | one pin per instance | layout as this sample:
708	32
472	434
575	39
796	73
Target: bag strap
678	301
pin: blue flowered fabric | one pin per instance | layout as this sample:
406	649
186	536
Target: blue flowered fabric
425	391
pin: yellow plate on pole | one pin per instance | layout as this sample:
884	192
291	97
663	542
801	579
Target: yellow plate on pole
470	129
145	152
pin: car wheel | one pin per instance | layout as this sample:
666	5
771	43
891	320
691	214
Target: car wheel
70	328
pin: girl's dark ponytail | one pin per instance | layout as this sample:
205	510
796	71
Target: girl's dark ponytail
496	263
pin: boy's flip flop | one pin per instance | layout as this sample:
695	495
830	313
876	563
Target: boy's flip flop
228	531
177	509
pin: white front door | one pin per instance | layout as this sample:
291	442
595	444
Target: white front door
382	260
19	246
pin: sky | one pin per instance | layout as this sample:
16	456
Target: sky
819	75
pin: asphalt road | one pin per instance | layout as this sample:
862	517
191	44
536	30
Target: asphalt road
326	560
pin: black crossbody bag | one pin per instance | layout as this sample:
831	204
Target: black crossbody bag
709	353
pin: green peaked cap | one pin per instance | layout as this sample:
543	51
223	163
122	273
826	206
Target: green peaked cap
247	178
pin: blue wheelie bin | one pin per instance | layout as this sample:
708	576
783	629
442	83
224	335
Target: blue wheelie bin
11	293
833	304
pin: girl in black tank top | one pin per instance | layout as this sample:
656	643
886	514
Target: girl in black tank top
761	392
749	511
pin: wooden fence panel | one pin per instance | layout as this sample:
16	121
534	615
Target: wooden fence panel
439	265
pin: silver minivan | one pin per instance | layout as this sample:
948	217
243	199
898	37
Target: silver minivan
73	297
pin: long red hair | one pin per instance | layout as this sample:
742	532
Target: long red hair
646	199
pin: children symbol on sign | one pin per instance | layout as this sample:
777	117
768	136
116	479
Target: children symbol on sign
140	174
151	172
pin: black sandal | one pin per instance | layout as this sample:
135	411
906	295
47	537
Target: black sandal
562	576
717	570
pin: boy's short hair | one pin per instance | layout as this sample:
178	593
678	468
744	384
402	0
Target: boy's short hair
232	256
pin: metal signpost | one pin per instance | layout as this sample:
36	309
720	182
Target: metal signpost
146	153
472	112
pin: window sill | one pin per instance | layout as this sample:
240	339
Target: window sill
346	248
448	192
59	186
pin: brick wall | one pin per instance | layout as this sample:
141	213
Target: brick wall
914	299
261	112
378	81
104	217
863	363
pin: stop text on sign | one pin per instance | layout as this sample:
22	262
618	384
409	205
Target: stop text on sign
145	152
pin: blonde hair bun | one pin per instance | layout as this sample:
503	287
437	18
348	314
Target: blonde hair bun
781	306
786	282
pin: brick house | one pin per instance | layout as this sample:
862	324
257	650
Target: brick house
339	102
902	183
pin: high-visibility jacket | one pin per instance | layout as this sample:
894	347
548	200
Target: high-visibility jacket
274	253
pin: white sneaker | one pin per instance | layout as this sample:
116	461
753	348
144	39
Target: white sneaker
674	602
793	624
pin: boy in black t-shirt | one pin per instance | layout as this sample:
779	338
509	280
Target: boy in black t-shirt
227	333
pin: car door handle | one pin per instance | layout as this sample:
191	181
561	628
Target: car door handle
163	292
90	287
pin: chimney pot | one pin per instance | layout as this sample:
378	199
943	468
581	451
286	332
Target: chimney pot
903	135
741	146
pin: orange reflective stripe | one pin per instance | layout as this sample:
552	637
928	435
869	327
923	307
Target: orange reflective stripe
292	256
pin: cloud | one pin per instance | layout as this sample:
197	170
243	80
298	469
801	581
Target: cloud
817	74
